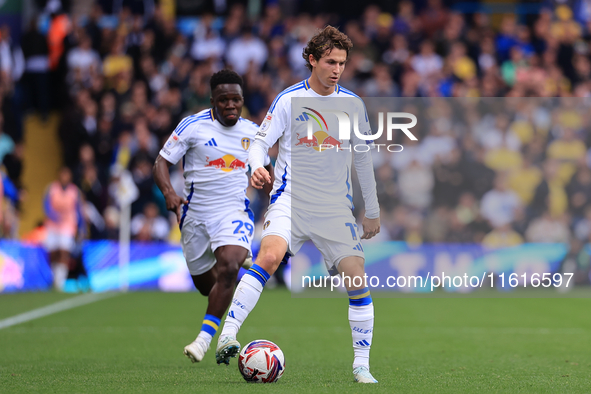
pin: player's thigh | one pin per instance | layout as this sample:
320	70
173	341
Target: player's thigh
337	237
233	228
281	222
196	247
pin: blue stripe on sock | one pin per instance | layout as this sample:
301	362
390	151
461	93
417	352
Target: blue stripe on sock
260	274
214	319
261	271
361	301
357	292
208	329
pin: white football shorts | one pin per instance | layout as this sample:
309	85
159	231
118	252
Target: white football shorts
58	240
335	234
200	238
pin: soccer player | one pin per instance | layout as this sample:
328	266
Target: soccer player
323	200
63	210
214	216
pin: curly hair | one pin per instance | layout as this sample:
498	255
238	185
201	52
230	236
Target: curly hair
225	76
324	42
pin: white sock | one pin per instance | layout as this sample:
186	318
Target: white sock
205	337
60	274
246	296
361	321
208	328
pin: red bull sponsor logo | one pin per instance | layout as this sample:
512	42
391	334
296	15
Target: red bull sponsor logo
226	163
320	140
307	142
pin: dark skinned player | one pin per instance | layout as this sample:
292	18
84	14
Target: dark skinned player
214	216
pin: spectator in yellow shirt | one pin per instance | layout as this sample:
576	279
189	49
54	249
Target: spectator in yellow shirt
568	149
502	237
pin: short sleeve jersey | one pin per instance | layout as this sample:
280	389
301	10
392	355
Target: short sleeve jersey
306	175
215	162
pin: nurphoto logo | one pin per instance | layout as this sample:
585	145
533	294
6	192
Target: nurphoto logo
344	124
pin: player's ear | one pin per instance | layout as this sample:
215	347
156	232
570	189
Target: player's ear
211	100
312	60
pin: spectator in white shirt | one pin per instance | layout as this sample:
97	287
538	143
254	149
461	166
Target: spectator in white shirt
83	61
149	226
500	205
246	49
211	45
427	62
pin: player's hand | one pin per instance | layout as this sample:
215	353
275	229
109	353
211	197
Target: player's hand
259	178
370	227
174	203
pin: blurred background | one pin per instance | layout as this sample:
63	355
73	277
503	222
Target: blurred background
89	89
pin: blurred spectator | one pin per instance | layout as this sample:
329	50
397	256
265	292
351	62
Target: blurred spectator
434	17
567	149
548	228
416	185
36	77
247	51
63	212
524	180
148	226
499	206
579	191
582	229
118	67
549	194
6	143
427	63
502	236
83	62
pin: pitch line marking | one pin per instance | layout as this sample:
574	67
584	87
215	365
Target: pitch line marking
54	308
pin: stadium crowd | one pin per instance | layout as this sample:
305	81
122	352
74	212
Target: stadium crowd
498	171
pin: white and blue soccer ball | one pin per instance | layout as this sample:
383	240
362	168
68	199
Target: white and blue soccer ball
261	361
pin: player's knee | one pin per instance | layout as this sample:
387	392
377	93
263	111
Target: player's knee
228	272
269	261
228	265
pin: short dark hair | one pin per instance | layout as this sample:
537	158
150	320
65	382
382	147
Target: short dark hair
325	41
223	77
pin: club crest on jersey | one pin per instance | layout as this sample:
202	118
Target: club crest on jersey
245	143
266	224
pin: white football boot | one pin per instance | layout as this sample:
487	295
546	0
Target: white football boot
196	350
362	375
228	347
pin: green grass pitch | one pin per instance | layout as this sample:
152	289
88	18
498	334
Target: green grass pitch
133	343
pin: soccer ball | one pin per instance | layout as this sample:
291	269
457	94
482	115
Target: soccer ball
261	361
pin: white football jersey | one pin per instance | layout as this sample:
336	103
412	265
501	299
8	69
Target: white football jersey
307	176
215	162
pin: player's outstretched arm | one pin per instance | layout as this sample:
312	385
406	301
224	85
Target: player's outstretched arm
161	174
